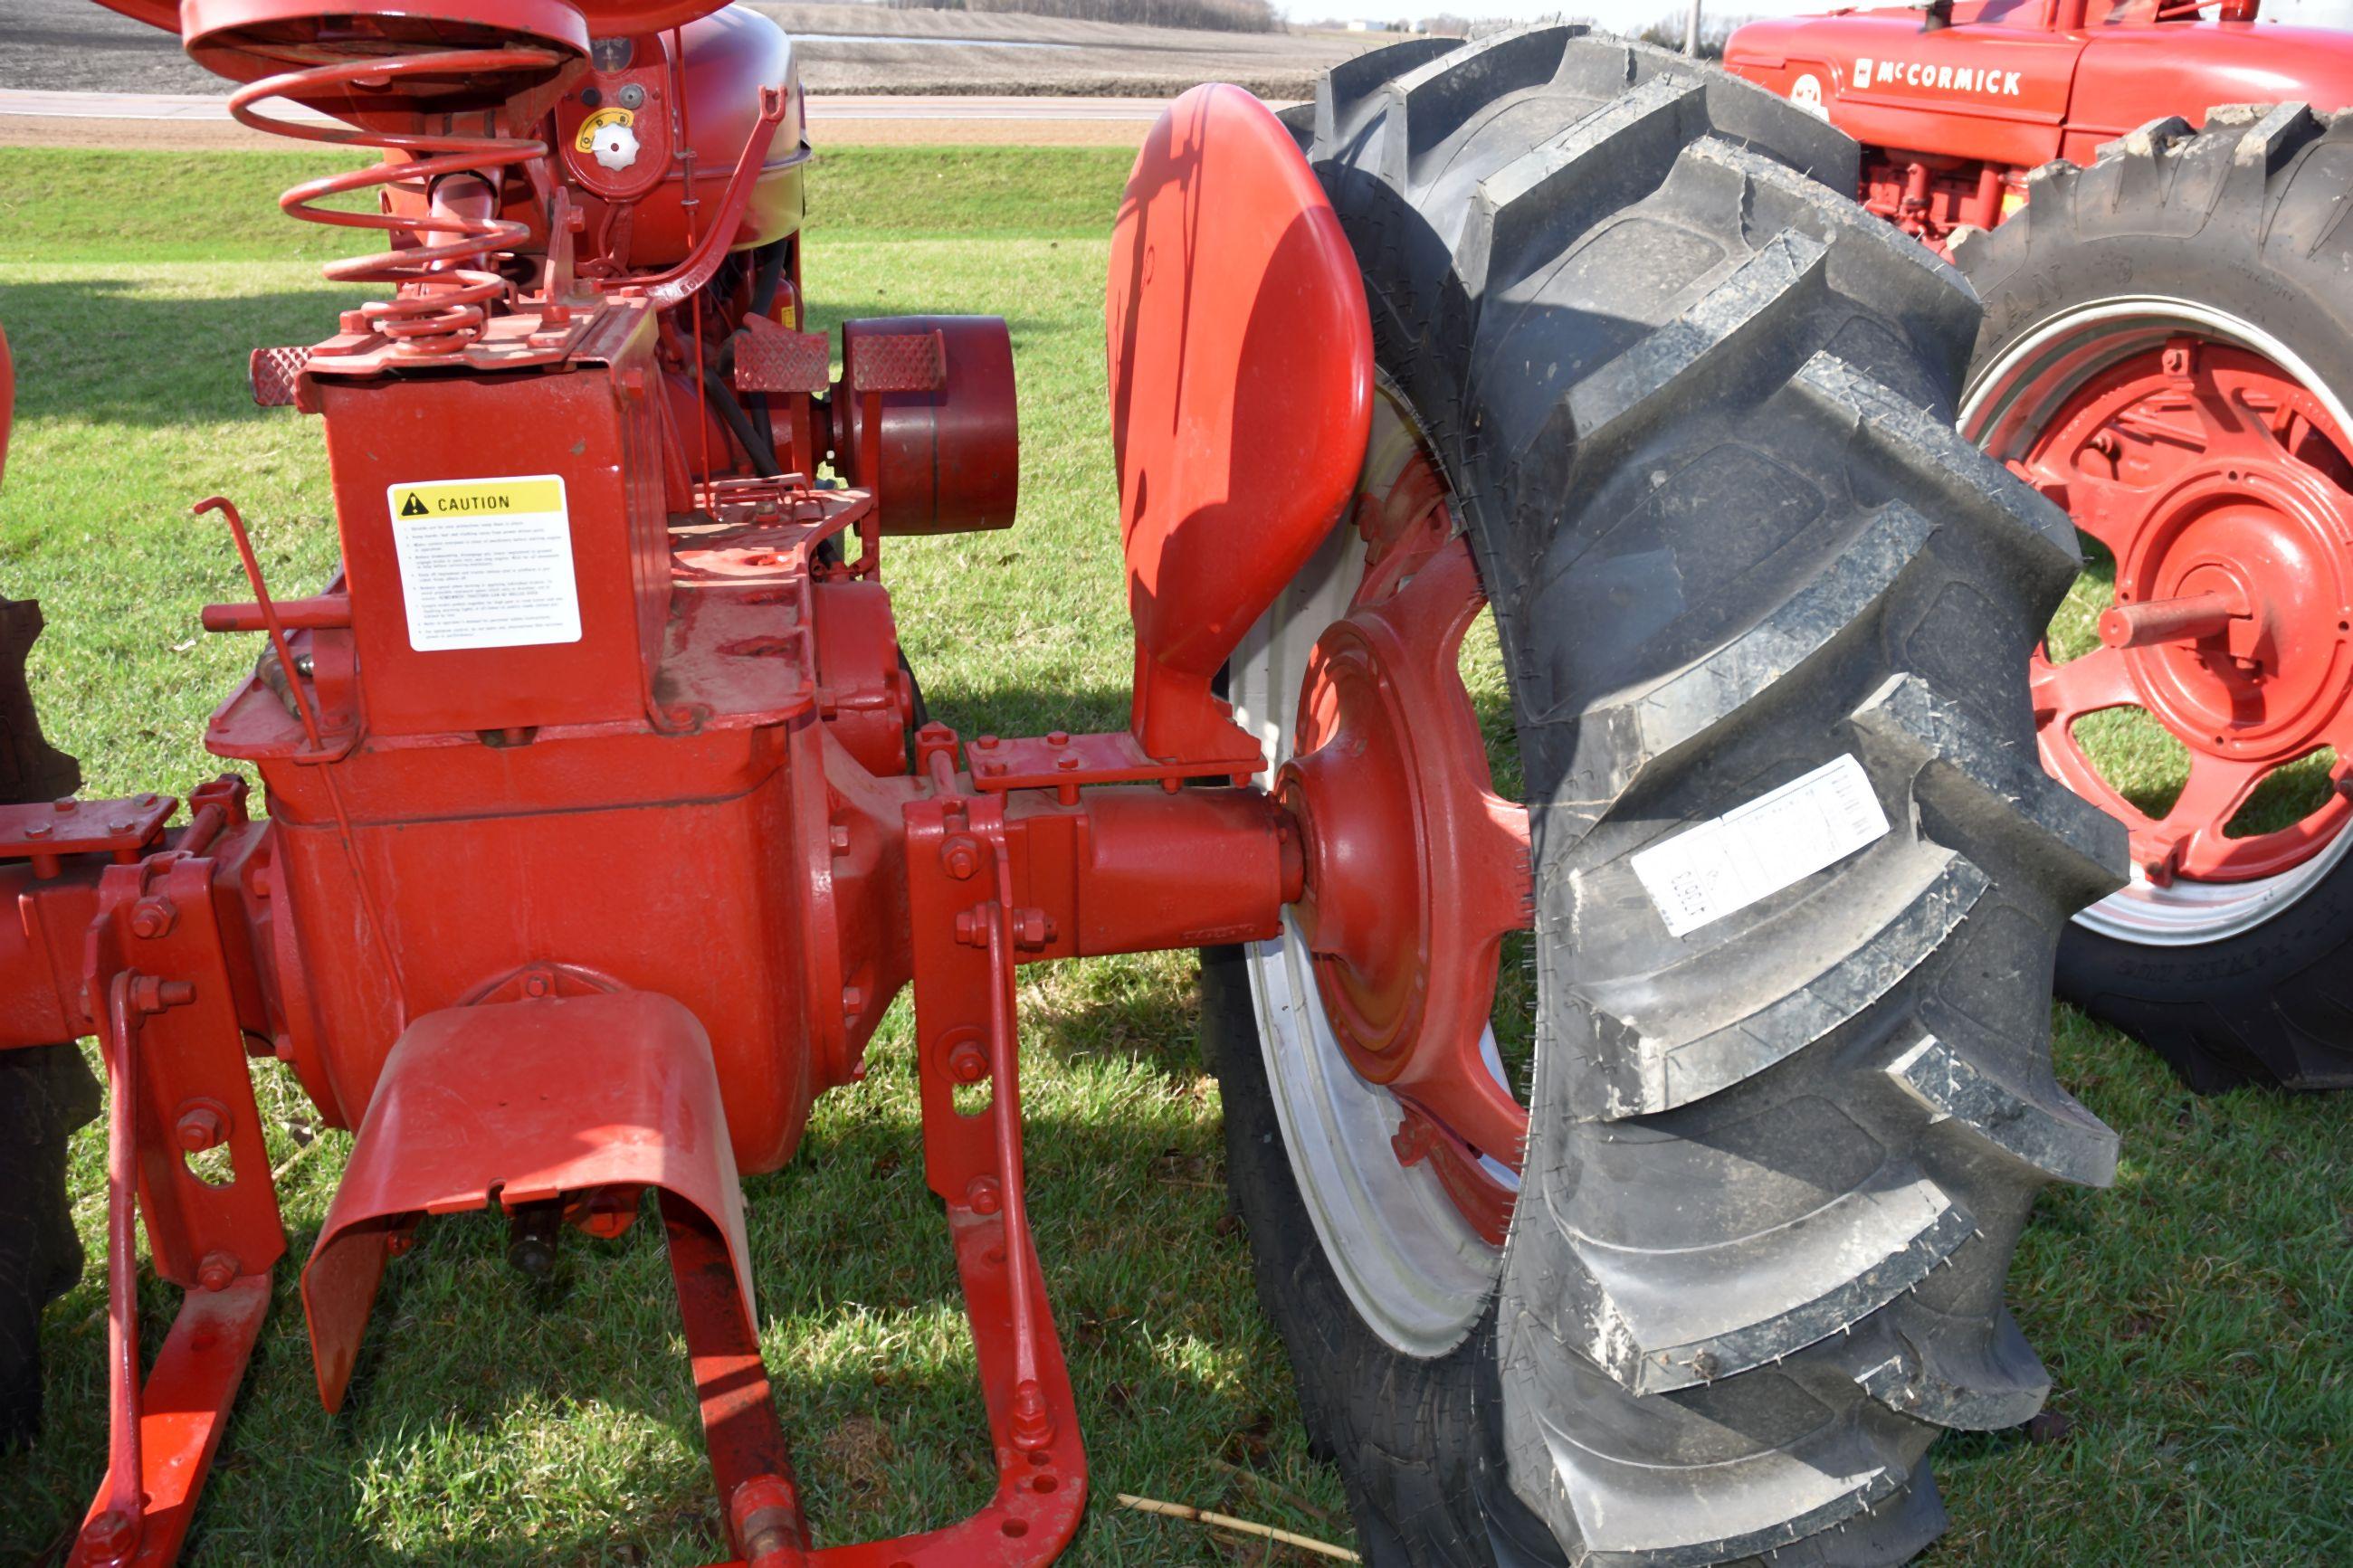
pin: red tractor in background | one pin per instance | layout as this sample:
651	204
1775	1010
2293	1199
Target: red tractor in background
603	828
2168	354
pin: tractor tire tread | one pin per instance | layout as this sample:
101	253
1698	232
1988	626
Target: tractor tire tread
1626	297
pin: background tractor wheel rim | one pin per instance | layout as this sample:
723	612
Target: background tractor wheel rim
2009	403
1415	1271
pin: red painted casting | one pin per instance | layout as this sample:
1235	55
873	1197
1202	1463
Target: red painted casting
2223	490
1415	869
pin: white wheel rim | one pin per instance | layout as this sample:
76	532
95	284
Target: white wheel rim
2078	345
1415	1270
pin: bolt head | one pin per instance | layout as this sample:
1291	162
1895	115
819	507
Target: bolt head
201	1127
983	1195
110	1536
66	803
967	1063
37	830
218	1271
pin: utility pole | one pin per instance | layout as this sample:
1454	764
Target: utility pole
1691	31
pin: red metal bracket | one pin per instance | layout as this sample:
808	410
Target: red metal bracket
957	866
1062	763
157	977
44	833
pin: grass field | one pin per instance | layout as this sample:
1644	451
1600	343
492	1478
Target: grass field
2198	1320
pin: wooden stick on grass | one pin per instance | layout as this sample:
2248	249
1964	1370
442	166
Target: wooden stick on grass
1240	1526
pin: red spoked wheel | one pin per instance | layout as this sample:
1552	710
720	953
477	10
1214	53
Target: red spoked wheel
1393	1010
2219	482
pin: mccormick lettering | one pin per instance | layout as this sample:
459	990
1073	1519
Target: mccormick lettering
1934	77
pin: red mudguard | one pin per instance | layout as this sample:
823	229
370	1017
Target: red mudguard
1241	386
524	1101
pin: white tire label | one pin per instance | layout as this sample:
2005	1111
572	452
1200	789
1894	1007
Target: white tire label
1707	872
485	562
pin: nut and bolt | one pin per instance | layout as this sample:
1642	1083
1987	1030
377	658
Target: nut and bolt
154	917
1033	1427
218	1271
853	1002
65	804
967	1063
110	1537
1058	738
983	1195
201	1126
1413	1143
37	830
960	856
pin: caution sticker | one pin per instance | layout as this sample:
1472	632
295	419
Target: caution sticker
1756	850
585	139
485	562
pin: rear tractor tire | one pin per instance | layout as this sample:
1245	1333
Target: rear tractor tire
46	1091
1692	409
2167	353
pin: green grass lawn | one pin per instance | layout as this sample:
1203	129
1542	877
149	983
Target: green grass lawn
2197	1318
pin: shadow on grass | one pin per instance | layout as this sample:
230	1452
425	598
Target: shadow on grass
463	1361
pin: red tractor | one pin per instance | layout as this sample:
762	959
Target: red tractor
602	823
2167	353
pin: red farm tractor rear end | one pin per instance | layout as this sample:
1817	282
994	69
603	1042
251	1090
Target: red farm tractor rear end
602	828
2167	353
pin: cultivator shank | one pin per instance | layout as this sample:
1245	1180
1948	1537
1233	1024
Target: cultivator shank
601	829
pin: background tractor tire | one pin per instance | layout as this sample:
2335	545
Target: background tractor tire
2236	235
1694	409
46	1091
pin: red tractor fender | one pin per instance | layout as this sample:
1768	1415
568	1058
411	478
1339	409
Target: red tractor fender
1241	386
552	1098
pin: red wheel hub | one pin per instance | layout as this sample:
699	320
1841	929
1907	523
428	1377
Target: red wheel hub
2222	487
1416	868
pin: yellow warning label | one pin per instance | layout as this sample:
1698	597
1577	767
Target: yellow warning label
585	139
478	497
